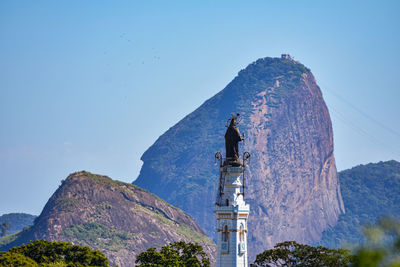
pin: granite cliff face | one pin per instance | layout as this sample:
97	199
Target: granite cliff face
119	219
293	190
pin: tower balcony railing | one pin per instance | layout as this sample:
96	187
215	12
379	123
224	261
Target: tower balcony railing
230	162
234	162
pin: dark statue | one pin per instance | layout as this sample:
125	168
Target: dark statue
232	139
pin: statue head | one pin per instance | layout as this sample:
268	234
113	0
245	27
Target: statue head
234	120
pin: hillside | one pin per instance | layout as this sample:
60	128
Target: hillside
119	219
369	192
17	221
293	189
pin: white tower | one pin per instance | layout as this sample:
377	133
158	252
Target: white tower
232	213
231	210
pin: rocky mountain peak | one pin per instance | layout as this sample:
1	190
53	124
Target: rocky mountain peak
293	188
117	218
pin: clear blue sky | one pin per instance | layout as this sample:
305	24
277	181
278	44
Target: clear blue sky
90	85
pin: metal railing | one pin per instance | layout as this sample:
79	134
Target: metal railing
223	162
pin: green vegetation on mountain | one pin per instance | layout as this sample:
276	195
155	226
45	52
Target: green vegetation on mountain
67	204
17	221
99	236
9	239
182	229
369	192
46	253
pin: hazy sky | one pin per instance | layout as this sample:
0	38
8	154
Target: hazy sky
90	85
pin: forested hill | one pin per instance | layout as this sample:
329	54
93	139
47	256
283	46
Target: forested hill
369	192
17	221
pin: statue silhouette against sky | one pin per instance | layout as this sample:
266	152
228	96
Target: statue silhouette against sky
232	139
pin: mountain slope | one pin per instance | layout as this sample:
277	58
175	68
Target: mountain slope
369	192
17	221
293	189
119	219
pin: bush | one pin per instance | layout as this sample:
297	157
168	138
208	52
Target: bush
175	254
53	253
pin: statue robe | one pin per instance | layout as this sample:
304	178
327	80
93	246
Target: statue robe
232	139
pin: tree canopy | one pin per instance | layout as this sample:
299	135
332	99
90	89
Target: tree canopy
382	247
290	253
174	254
42	252
16	259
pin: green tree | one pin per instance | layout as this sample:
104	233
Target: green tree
382	247
4	228
16	260
174	254
290	253
52	253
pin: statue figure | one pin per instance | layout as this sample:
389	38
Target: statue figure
232	139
